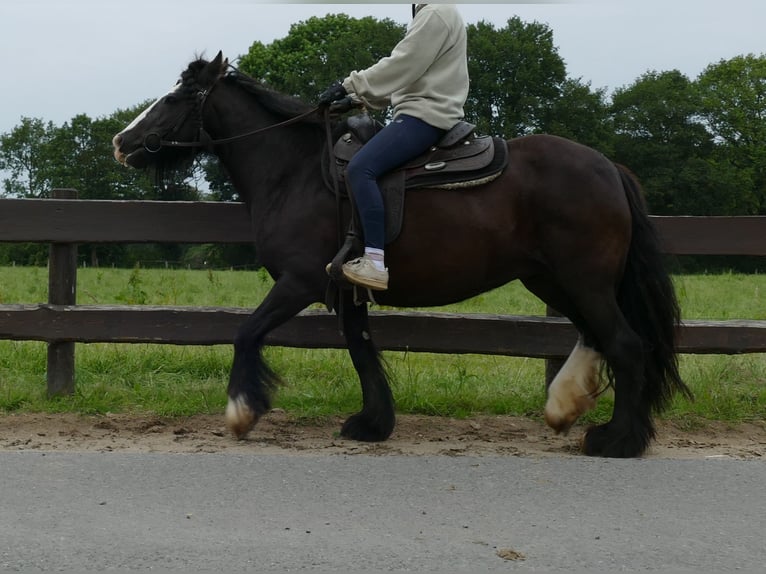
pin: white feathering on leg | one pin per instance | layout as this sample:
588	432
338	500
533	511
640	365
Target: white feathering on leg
574	389
240	418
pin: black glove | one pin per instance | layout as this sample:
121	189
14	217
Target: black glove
343	105
335	92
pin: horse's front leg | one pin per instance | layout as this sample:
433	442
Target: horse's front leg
375	422
252	382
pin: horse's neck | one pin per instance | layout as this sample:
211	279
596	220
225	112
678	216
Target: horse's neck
269	161
272	169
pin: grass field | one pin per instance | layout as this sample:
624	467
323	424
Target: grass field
171	380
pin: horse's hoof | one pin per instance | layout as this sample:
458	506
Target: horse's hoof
559	424
574	389
358	427
240	417
561	417
603	441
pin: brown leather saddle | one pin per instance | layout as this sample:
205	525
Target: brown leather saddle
459	160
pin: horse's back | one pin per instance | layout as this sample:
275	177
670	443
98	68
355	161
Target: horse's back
548	163
556	200
564	184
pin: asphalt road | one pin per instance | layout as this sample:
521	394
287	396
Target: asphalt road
234	513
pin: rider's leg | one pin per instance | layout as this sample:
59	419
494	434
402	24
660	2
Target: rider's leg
400	141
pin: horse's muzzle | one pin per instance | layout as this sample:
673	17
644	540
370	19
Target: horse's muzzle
118	154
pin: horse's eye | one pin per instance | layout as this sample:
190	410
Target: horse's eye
171	99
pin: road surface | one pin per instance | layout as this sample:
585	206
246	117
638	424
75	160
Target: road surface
280	513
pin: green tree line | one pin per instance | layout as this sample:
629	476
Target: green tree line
696	144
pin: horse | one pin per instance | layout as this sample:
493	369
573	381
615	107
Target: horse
563	219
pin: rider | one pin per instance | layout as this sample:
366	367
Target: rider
425	79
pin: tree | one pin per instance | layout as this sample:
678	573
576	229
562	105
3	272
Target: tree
78	159
319	51
516	76
77	154
582	115
22	155
660	136
733	105
218	180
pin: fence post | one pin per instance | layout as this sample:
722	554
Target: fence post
62	286
552	366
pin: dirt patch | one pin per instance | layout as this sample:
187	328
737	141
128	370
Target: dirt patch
415	435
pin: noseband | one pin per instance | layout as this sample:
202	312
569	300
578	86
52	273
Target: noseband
153	142
153	147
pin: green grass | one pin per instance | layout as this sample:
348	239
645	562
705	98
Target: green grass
170	380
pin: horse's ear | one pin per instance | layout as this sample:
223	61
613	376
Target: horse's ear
213	70
218	60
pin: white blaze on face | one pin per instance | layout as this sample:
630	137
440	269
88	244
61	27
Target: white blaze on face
143	114
140	117
118	154
574	389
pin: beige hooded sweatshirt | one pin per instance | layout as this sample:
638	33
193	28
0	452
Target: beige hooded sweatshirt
426	75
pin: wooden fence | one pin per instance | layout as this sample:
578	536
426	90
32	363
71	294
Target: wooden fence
63	222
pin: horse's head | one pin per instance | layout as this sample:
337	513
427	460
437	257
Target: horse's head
174	118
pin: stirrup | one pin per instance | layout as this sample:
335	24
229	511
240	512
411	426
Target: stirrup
359	302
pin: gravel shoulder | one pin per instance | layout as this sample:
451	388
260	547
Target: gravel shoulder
278	433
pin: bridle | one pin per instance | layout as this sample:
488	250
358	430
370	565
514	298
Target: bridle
153	142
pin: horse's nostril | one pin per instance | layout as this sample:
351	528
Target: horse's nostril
117	141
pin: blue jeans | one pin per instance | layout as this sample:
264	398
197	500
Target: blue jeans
403	139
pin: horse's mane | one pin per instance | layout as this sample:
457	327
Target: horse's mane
286	106
280	104
276	102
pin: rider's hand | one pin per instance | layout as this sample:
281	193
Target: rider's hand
335	92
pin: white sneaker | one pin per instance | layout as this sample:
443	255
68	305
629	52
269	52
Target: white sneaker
362	271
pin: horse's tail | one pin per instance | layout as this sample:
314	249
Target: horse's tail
648	300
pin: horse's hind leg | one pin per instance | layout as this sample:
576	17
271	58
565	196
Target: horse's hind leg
574	389
605	334
375	422
630	430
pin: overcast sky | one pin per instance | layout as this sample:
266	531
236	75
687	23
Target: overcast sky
65	57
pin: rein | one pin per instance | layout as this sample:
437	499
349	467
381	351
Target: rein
211	142
153	142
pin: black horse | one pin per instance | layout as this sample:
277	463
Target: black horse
562	218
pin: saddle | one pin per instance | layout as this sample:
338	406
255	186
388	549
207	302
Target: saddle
459	160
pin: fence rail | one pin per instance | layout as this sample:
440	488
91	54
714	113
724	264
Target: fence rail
103	221
516	335
64	222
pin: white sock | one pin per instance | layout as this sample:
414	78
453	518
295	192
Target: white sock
377	256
